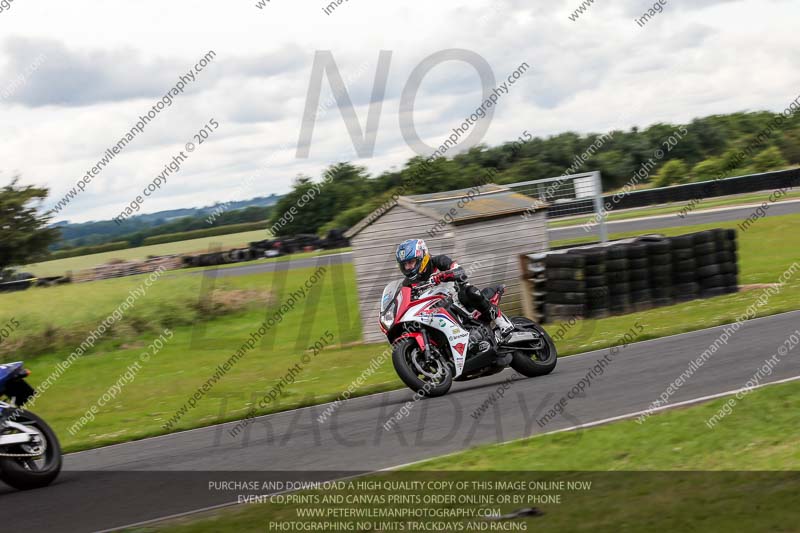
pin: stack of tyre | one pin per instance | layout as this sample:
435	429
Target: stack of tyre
684	268
639	276
618	280
218	258
239	255
537	273
729	257
16	282
565	288
634	276
717	262
596	284
659	259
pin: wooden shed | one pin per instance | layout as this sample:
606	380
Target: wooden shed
484	228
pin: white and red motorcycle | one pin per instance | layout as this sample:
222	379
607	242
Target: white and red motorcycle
436	340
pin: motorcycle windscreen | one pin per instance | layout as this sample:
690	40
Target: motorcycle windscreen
390	293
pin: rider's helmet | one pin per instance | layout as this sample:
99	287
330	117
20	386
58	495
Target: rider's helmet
413	258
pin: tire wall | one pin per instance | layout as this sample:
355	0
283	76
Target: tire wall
633	276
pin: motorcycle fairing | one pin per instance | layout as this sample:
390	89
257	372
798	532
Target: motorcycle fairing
8	371
440	319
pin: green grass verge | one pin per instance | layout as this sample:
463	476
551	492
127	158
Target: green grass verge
169	378
680	230
188	360
60	266
674	208
55	320
174	299
207	232
89	250
761	434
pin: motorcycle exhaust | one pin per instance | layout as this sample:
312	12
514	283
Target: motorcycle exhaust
522	336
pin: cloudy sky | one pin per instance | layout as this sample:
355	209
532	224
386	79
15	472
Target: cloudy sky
75	76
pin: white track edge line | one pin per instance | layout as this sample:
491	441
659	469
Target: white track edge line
563	430
610	419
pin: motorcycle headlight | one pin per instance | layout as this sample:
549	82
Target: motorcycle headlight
387	318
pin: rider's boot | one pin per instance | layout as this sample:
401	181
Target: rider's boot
490	312
504	329
504	326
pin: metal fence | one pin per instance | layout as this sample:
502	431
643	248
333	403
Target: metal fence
573	195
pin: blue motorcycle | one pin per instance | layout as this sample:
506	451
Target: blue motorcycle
30	455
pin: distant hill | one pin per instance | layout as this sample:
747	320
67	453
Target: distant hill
173	220
172	214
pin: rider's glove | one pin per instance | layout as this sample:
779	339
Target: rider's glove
441	277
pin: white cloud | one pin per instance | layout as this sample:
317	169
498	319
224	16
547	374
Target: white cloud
107	63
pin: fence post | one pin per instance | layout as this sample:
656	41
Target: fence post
598	206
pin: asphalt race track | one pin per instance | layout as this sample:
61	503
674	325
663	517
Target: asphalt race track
126	484
278	266
644	225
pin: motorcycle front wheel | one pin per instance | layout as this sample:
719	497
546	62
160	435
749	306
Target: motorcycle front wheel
428	377
37	464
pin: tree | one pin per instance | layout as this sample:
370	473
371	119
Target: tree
711	135
710	169
769	159
616	168
735	161
24	235
673	171
790	146
287	218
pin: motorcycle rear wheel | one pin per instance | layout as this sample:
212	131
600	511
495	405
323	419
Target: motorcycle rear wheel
538	363
428	379
26	473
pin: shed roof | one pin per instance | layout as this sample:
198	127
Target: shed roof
462	206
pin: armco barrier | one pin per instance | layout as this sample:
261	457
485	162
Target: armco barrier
635	275
690	191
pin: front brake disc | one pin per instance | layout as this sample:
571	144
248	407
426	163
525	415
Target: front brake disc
421	368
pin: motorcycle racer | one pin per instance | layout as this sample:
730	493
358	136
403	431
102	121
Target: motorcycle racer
418	266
